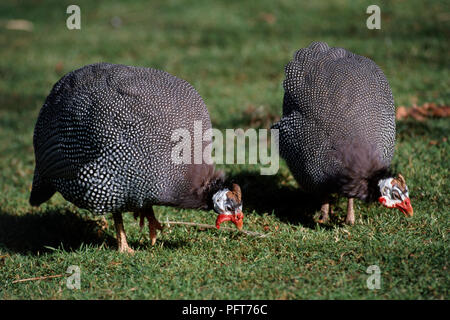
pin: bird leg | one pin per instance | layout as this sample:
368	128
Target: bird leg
122	244
350	212
324	210
153	223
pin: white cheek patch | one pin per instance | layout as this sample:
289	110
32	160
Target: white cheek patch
219	199
385	187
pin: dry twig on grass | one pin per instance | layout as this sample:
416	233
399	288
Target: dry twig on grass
209	226
38	278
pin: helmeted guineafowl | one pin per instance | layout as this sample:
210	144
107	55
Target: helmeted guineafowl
103	140
337	133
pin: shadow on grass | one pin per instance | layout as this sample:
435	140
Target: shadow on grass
267	194
33	232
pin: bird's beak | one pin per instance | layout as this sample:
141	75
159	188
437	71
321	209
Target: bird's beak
406	207
237	218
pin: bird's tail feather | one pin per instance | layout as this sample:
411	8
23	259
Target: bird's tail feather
41	191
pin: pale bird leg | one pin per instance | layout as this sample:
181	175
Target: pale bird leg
122	244
153	223
324	210
350	212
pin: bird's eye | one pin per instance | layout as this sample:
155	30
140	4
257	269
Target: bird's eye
396	195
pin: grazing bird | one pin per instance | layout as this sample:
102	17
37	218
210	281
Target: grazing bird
103	140
337	133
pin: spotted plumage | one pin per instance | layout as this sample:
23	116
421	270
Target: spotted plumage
103	140
337	133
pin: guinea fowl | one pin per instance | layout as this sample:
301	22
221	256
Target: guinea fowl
337	133
103	140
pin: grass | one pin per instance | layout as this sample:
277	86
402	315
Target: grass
233	52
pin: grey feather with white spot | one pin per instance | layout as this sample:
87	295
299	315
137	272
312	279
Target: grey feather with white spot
103	140
338	124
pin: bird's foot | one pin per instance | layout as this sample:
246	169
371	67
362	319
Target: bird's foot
350	221
153	223
324	213
124	248
122	244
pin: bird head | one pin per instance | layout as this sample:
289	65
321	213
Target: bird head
228	204
394	194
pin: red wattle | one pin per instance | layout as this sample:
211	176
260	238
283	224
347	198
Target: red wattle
221	218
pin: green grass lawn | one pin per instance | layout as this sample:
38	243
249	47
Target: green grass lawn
233	52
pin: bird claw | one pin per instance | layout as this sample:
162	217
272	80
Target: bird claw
350	221
153	223
125	249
